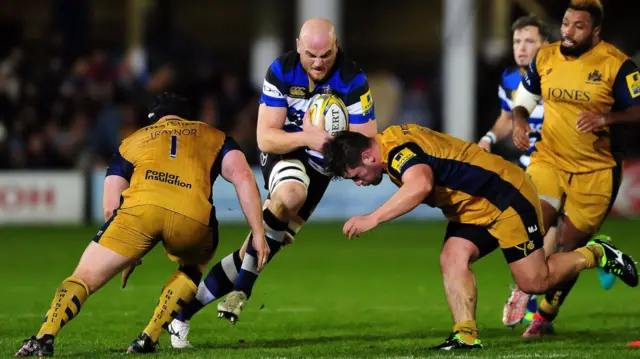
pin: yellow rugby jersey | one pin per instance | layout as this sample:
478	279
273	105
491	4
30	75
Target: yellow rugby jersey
470	185
601	80
172	164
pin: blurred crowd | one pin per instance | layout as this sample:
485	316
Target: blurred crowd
58	114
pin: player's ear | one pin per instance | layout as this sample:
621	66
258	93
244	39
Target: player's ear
367	156
298	46
596	32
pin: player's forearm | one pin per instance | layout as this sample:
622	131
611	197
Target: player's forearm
503	126
250	200
520	113
408	197
369	129
278	141
113	188
629	115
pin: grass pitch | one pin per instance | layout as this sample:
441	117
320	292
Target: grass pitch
379	296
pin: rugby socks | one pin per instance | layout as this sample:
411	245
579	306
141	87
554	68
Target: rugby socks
66	305
274	232
592	255
468	331
554	298
549	307
218	283
178	291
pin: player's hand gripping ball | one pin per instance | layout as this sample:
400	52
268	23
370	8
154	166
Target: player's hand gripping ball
336	116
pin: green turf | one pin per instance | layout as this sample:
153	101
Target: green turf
380	296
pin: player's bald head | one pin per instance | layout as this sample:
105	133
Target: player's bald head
317	33
318	46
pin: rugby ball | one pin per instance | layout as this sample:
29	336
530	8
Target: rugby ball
336	116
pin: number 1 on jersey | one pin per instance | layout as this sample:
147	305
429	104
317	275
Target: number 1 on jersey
174	146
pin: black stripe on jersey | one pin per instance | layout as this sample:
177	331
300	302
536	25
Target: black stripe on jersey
288	61
354	96
349	69
459	176
273	79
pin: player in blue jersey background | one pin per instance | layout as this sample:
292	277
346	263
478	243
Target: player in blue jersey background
291	162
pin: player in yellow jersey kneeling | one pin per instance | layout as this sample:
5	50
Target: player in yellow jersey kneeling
164	173
588	86
488	201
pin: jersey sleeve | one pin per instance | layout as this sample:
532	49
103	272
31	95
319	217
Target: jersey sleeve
626	87
531	79
359	101
505	103
120	166
403	157
229	145
273	87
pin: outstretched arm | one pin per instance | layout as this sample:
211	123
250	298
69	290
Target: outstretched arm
236	170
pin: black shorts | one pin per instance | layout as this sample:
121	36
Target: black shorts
487	243
318	182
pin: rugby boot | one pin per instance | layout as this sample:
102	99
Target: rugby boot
615	262
142	345
36	347
232	306
455	342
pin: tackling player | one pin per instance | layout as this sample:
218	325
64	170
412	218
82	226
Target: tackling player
291	163
488	201
587	85
165	173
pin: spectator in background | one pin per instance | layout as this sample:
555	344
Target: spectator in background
415	107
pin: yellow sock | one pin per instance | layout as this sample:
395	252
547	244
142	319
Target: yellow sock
468	331
550	308
178	291
66	305
592	254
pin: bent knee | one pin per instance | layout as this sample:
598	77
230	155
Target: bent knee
533	284
457	254
287	199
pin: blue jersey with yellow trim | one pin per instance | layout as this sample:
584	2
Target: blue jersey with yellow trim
470	185
511	79
286	84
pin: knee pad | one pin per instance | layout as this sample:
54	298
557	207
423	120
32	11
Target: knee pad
288	171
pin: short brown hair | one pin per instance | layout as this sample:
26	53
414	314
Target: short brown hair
534	21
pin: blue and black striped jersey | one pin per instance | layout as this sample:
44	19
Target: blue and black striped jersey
286	84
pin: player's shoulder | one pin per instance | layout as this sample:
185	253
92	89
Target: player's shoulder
209	131
610	53
511	77
547	51
286	62
348	69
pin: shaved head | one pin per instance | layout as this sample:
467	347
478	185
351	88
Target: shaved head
318	32
317	45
